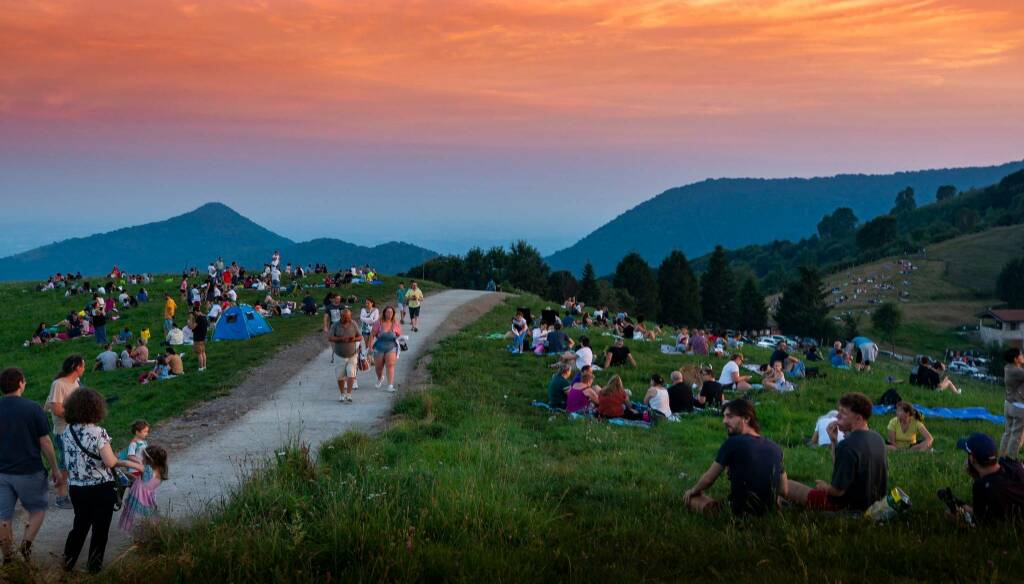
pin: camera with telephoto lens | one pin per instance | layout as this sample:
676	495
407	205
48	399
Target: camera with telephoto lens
956	506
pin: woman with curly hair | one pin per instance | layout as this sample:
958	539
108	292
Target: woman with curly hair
89	459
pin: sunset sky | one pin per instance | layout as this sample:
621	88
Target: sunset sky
447	123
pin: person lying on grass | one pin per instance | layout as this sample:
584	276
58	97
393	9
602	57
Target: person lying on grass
582	394
903	429
860	470
756	473
613	401
731	378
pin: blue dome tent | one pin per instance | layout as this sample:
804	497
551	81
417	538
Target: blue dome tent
239	323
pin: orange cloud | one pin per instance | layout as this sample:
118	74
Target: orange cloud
512	71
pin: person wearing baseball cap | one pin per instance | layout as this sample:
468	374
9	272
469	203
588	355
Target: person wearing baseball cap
998	490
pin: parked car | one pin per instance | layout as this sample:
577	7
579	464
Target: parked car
766	342
963	368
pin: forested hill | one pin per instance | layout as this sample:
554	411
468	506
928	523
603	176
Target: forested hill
843	241
193	239
740	212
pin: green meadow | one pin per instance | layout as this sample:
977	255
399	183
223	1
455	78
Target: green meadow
472	483
228	361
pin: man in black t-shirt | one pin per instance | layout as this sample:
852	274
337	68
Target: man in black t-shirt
781	353
860	469
756	473
618	354
710	392
680	394
998	490
24	441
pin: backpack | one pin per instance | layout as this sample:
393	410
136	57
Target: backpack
891	397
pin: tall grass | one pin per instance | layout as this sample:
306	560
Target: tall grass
473	484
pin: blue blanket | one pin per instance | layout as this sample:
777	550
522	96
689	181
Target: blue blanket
974	413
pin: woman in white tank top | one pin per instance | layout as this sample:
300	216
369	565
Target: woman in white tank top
657	396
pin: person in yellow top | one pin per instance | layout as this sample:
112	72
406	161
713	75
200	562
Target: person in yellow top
413	299
905	428
169	307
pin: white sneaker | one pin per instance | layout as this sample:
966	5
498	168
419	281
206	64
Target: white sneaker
355	385
342	399
348	398
380	382
391	388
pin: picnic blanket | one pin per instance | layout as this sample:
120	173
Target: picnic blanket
588	416
969	413
671	350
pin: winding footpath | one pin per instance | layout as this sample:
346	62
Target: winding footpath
304	409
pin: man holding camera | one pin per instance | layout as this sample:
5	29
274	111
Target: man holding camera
998	490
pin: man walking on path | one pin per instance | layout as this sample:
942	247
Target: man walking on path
24	440
346	338
414	299
66	383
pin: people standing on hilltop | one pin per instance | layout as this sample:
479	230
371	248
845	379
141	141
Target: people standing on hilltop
414	299
1013	411
170	306
200	327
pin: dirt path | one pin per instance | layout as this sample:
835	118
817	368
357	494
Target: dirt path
293	396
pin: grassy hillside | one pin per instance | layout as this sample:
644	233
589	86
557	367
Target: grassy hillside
973	261
938	290
473	484
228	362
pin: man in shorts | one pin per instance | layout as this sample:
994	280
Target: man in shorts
346	338
860	469
414	298
25	439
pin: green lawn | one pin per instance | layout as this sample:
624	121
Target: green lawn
472	483
25	308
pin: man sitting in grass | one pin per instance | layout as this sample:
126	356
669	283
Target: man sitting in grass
756	473
790	364
107	360
860	470
618	354
731	378
558	386
558	341
998	489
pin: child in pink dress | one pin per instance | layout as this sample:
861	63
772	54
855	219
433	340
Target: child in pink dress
140	503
